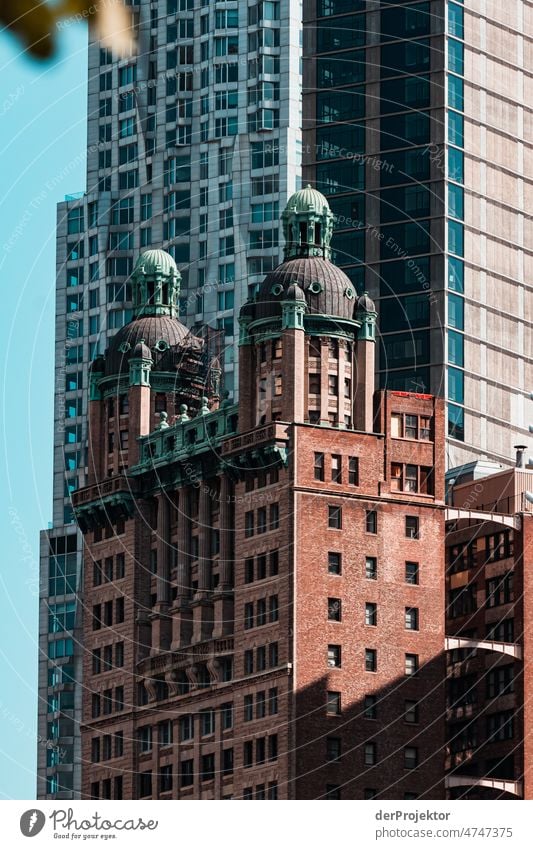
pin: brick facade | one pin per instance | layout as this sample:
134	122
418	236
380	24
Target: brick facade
259	571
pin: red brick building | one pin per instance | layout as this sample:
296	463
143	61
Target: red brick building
264	596
489	627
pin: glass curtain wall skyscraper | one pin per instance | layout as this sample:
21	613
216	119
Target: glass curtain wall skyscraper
417	128
194	145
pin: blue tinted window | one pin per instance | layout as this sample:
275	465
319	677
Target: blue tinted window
456	202
405	381
456	385
357	276
344	140
404	130
455	129
456	238
411	56
405	21
337	7
405	93
349	211
456	20
333	106
340	33
403	313
456	165
348	248
456	312
404	275
455	348
405	202
343	69
455	56
456	92
456	274
456	422
344	176
403	349
405	166
410	238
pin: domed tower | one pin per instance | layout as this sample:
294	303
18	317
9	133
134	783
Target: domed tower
301	334
153	365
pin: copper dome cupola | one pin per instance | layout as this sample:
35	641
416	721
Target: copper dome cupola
155	324
308	226
156	285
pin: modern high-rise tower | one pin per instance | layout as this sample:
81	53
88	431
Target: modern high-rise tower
193	145
417	126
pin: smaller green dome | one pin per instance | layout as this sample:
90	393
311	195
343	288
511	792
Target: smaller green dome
307	224
307	199
156	262
155	284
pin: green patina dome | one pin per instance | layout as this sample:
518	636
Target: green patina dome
307	225
307	199
154	263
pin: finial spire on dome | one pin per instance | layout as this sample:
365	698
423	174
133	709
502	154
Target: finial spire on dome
307	224
156	285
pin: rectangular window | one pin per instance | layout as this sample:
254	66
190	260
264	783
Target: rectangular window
208	767
411	712
248	708
370	754
371	613
249	524
226	713
333	705
248	662
319	466
273	608
370	711
248	615
334	609
207	722
186	727
411	572
336	468
412	527
261	520
261	612
145	738
249	752
249	570
334	656
411	664
334	563
335	517
371	660
353	471
260	706
333	748
187	773
411	618
274	517
371	522
410	757
273	655
371	568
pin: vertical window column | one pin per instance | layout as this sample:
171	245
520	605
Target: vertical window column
455	218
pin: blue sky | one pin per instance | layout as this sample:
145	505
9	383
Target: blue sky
42	130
